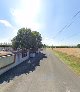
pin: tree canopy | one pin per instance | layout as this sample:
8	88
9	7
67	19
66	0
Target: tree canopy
78	45
27	39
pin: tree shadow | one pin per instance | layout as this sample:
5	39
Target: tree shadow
23	68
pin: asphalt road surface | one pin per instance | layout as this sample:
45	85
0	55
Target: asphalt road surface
45	73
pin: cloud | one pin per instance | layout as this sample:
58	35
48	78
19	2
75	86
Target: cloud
9	37
6	23
25	15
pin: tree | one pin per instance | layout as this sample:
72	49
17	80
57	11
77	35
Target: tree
27	39
15	43
22	40
44	46
36	40
78	45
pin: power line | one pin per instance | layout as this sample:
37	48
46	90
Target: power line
67	25
71	36
76	14
60	31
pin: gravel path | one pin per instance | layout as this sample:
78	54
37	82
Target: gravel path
45	73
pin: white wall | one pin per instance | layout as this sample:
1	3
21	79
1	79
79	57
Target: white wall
18	59
6	60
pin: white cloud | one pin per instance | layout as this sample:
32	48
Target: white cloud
25	15
6	23
11	33
10	36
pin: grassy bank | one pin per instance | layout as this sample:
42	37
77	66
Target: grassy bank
72	61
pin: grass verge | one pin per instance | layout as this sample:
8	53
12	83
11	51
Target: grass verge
72	61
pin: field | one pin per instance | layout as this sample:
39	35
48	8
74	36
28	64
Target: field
70	56
70	51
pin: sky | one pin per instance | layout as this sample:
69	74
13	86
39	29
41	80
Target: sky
48	17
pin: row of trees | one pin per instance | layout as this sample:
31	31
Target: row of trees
5	44
46	46
27	39
78	45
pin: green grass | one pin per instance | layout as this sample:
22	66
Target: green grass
72	61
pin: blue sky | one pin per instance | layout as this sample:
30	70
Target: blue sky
46	16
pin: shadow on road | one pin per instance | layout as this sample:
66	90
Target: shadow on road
23	68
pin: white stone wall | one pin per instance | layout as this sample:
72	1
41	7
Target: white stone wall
6	60
18	59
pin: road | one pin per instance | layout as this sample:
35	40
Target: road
45	73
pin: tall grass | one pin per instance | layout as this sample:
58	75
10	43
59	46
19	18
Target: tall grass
72	61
